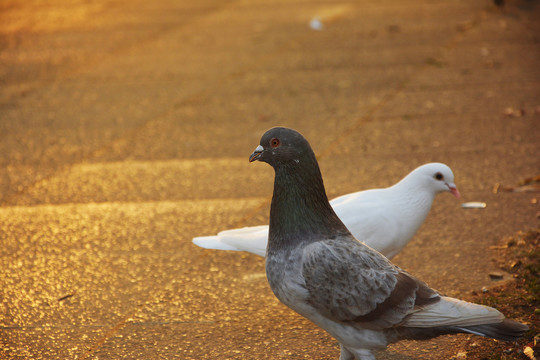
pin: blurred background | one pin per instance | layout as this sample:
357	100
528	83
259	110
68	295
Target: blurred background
125	130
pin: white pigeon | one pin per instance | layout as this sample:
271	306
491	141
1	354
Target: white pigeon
385	219
317	268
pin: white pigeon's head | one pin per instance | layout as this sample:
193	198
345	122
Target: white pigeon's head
437	177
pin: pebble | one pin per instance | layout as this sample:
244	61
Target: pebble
474	205
496	275
529	352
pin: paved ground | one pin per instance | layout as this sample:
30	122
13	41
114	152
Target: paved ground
125	129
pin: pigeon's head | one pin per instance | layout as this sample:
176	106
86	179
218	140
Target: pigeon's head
282	146
438	177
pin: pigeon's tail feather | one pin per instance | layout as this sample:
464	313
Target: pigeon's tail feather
251	239
212	242
417	333
453	312
507	330
451	315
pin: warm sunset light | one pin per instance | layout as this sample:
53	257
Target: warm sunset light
269	179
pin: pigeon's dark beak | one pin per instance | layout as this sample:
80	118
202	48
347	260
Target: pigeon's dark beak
256	154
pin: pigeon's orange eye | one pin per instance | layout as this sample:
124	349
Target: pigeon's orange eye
274	142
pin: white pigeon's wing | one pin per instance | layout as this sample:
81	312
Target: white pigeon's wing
248	230
349	282
364	195
252	239
369	218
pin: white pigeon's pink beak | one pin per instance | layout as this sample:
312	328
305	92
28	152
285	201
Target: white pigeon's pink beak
453	189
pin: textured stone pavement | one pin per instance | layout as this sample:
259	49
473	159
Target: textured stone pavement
125	129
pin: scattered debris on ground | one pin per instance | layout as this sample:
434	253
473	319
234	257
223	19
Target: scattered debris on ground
530	184
518	255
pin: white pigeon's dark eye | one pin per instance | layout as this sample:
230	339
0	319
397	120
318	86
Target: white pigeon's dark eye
274	142
438	176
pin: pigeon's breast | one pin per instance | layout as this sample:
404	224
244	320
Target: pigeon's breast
284	274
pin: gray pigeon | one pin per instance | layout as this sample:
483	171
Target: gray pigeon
317	268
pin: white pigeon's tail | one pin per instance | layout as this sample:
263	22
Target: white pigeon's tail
212	242
252	239
451	315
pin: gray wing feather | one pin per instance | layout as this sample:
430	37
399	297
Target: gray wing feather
350	282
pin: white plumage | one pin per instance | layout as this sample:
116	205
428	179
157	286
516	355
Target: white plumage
385	219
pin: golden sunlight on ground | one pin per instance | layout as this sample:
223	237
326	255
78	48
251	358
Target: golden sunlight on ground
125	131
47	16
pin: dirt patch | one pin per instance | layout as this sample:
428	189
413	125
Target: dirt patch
519	299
